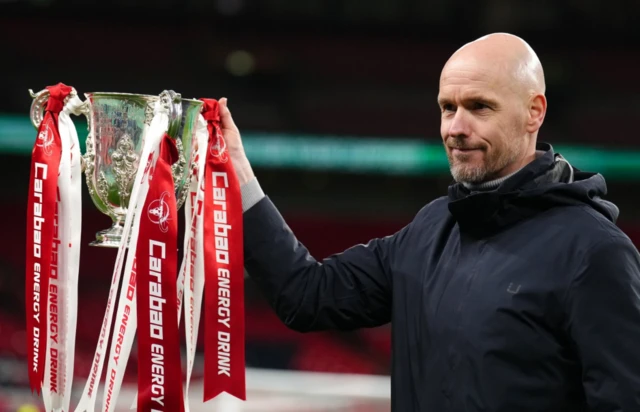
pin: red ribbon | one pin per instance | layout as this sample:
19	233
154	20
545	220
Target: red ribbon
41	212
224	363
159	370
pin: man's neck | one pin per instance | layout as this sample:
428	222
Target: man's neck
488	185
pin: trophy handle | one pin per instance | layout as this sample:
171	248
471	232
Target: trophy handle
172	101
85	110
40	101
37	106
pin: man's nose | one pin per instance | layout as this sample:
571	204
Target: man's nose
459	126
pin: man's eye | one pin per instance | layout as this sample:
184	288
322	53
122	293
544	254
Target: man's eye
479	106
448	108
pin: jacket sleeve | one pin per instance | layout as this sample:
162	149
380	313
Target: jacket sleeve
345	291
604	323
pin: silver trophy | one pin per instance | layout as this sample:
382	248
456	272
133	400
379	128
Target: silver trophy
117	123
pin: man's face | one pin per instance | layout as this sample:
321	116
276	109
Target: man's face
483	120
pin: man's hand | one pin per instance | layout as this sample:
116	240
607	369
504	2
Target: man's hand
234	144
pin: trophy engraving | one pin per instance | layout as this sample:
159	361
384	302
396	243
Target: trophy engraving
125	164
148	113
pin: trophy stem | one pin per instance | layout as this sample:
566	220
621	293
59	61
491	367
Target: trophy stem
111	237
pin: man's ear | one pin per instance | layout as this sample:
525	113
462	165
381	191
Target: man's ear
537	109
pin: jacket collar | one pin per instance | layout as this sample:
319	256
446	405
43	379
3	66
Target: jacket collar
487	211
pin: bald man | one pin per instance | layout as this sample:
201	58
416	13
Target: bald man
516	292
498	82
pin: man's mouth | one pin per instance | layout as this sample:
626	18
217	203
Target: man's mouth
464	149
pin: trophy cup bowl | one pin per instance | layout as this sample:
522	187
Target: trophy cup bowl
117	124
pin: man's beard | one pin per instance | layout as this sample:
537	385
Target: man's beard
494	162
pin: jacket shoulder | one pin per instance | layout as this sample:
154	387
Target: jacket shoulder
430	222
593	224
433	210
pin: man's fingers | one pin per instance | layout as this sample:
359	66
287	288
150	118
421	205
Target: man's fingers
232	136
225	115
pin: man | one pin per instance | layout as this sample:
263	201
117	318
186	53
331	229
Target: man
516	292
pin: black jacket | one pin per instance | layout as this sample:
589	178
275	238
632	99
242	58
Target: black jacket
524	298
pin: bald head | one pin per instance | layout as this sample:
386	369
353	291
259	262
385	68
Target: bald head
510	57
493	104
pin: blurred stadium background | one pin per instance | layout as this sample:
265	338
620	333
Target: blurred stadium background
336	100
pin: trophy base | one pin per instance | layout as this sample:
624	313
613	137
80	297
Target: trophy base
110	238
